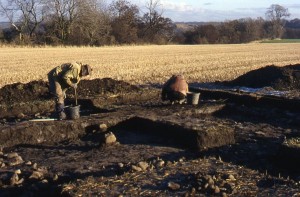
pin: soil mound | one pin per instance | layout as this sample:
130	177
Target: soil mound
39	90
279	78
103	86
19	92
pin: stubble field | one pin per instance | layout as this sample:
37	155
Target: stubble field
147	64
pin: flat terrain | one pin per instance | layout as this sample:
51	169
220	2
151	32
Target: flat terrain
128	142
230	144
148	64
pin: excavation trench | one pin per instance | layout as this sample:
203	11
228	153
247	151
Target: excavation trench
162	133
228	130
128	130
75	149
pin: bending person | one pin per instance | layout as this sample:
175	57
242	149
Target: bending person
175	89
63	77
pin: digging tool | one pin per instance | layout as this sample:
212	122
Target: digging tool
75	96
43	119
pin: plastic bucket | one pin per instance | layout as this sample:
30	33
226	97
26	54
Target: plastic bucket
73	112
192	98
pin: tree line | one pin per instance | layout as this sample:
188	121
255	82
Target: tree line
95	23
246	30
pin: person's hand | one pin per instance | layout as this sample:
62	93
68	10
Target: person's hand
74	85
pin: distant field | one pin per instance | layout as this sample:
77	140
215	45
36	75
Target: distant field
282	41
148	64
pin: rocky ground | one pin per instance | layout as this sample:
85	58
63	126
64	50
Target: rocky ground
128	143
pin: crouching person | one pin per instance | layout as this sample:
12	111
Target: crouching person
175	89
63	77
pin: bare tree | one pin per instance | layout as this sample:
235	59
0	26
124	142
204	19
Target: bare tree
276	13
9	10
154	27
62	15
124	21
92	25
206	34
24	15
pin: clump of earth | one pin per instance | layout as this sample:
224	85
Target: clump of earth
103	86
279	78
19	92
136	145
39	90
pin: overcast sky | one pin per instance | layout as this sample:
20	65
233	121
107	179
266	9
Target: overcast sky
220	10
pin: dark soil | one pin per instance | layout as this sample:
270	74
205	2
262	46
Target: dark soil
103	86
220	147
19	92
39	90
33	99
279	78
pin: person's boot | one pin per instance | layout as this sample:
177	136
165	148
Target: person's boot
61	115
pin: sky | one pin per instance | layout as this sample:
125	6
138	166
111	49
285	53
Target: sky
216	10
220	10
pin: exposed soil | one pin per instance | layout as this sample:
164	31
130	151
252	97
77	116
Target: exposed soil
39	90
17	100
279	78
103	86
19	92
129	143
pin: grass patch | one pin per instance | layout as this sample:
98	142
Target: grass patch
282	41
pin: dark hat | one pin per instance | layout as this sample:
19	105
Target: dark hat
86	70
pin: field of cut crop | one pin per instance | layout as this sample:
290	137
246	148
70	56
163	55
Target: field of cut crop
147	64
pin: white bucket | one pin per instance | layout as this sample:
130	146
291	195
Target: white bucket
192	98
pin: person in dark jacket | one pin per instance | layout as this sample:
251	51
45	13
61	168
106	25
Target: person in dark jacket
63	77
175	89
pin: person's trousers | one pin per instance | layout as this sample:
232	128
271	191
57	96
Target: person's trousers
56	89
175	96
